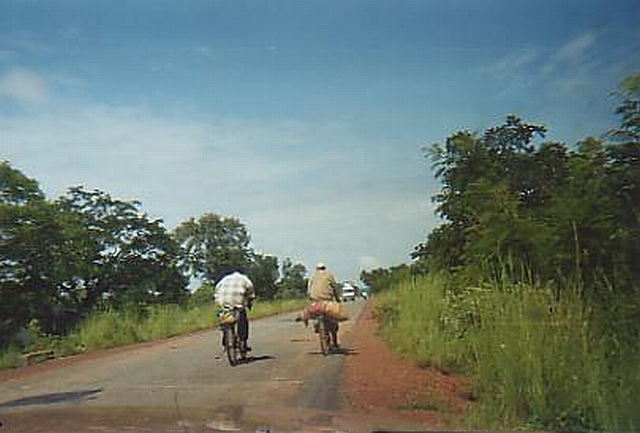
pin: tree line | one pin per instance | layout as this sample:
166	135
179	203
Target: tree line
530	283
519	208
63	259
539	209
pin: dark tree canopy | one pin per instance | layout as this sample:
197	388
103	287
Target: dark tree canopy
213	246
548	211
61	260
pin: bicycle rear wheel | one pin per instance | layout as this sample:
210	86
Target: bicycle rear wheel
323	335
230	344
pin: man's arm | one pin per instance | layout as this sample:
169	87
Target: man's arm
250	290
249	293
310	285
335	288
216	292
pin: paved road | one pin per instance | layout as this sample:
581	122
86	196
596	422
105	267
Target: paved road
185	385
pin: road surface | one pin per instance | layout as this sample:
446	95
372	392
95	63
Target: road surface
185	384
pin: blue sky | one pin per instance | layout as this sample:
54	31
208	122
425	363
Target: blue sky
304	119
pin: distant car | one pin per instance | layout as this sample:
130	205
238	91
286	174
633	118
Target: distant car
348	292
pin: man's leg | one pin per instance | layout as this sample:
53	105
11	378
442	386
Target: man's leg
243	328
334	333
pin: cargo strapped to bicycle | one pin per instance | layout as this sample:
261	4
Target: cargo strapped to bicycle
227	315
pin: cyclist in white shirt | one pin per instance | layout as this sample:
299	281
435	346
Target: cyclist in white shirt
236	290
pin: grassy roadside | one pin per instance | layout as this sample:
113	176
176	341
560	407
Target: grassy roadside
536	361
118	328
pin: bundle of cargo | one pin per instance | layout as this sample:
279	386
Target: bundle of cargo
311	311
333	309
314	309
336	310
226	315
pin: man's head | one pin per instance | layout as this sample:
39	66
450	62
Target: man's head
321	266
234	269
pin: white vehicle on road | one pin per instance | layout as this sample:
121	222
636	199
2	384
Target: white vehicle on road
349	292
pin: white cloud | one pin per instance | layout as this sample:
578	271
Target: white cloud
576	48
299	196
568	70
520	65
24	86
369	262
572	55
516	60
21	43
110	146
516	70
410	210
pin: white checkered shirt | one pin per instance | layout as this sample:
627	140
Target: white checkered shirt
235	289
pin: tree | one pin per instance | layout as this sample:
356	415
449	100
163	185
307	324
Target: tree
443	249
293	283
213	246
629	110
538	210
29	239
122	256
623	175
16	188
487	182
380	279
264	273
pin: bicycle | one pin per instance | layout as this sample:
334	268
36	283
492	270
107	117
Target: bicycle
324	335
228	324
325	316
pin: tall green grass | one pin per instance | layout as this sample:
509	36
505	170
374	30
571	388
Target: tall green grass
532	357
114	328
536	360
420	321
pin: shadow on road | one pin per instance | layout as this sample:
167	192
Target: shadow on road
344	351
339	351
57	397
251	359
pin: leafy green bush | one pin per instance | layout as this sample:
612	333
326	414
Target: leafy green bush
10	357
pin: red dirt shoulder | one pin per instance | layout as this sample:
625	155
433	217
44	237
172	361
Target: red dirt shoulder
380	382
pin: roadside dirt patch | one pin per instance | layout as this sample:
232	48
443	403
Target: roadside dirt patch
380	382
